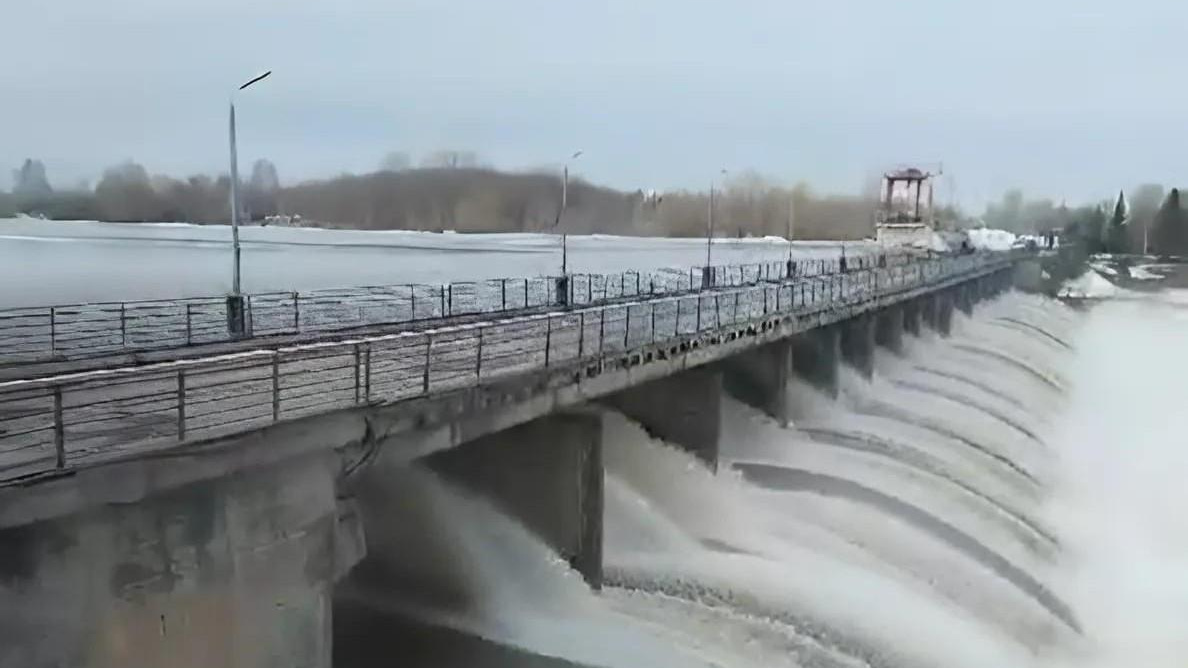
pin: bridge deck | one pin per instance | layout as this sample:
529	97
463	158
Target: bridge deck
74	420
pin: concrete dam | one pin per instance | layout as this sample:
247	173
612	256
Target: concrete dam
845	469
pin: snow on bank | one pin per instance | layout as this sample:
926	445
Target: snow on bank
1103	268
988	239
1089	285
1142	273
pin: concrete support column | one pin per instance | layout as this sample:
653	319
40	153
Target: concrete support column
760	377
235	571
943	313
684	409
889	328
928	310
858	343
546	473
1028	275
963	298
816	355
911	317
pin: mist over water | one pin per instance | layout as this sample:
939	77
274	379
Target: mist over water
1009	496
1120	495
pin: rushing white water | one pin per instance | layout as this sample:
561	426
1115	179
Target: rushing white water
1120	497
1007	496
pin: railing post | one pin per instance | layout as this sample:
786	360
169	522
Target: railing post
428	350
503	294
276	385
450	292
412	302
367	374
181	404
59	430
548	337
442	296
561	290
53	331
358	372
296	313
627	329
189	323
124	326
236	316
601	329
478	358
581	334
699	313
652	325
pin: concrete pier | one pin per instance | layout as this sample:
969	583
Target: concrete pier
912	316
816	355
889	326
943	321
964	297
684	409
760	378
547	474
235	571
858	343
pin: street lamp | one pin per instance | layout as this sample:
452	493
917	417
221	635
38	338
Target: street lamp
708	271
561	211
791	225
562	287
235	304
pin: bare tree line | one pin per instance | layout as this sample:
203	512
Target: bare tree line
452	190
477	199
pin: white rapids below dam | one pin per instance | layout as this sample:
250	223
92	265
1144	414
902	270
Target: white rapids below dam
1009	496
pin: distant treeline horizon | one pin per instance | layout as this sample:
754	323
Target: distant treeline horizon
452	190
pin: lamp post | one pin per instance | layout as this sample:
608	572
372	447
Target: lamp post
236	320
561	211
563	279
791	225
707	273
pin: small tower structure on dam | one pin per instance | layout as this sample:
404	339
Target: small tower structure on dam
905	215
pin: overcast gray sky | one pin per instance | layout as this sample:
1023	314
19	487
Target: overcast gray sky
1065	98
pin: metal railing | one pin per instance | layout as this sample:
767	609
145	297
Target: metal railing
56	423
81	331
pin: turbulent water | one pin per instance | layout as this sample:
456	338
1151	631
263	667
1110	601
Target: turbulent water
1009	496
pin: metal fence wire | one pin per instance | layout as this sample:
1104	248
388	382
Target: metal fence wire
80	331
56	423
